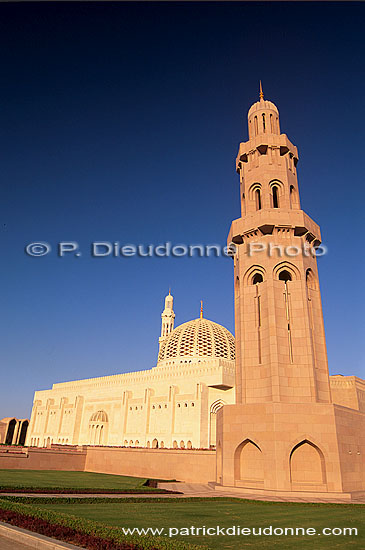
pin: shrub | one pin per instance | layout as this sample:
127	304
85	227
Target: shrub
83	532
65	490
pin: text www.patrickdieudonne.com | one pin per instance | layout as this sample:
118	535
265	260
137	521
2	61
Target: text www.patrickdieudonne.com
237	530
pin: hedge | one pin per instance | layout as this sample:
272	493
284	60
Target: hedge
106	500
65	490
87	533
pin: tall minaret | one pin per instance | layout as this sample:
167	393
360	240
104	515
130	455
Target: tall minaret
280	341
168	317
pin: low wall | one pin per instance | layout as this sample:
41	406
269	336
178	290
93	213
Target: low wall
43	459
192	466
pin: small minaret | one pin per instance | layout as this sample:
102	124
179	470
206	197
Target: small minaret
168	317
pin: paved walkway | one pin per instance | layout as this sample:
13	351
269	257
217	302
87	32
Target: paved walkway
16	538
9	544
198	490
190	490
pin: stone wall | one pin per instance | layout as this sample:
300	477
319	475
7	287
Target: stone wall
22	458
192	466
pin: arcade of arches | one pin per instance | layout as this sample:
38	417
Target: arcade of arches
13	431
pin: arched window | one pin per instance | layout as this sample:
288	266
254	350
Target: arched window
257	278
311	280
285	276
258	199
263	122
256	126
271	124
275	197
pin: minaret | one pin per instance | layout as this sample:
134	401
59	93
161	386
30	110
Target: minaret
280	341
168	317
284	433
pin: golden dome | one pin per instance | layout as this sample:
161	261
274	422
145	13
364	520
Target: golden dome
199	338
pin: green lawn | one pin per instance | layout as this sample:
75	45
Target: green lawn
229	512
74	480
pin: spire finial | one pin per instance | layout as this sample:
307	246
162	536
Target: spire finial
201	309
261	92
169	290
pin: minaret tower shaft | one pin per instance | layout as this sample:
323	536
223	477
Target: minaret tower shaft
281	350
168	318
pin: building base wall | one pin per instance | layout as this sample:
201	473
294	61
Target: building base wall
291	447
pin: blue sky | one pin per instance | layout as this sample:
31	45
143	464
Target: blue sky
121	122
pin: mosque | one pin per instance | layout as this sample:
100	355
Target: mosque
172	405
263	404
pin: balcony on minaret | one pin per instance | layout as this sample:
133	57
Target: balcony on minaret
270	149
264	222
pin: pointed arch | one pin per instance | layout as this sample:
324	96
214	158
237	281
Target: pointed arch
307	464
254	194
23	432
10	431
311	279
214	408
249	463
277	191
288	267
251	274
293	193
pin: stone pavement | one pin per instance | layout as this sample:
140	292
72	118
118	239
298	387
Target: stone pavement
195	490
200	490
9	544
16	538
